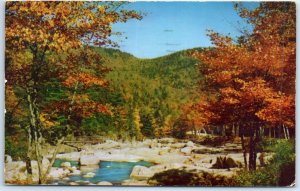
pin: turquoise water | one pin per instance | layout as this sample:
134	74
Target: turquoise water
114	172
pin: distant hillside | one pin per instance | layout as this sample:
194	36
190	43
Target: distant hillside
169	80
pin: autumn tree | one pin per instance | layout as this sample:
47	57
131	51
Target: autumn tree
51	40
252	80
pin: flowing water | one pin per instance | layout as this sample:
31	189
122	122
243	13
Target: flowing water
114	172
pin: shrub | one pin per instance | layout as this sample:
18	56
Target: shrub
16	147
182	177
279	172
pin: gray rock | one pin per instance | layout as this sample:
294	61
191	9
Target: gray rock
8	159
141	173
186	150
89	175
65	164
73	184
190	144
89	159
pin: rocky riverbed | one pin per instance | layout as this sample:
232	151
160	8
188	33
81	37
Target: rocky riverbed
165	154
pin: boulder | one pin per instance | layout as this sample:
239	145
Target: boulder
7	159
104	183
141	173
73	156
89	175
190	144
89	159
75	172
186	150
66	179
14	165
73	184
65	164
89	168
58	173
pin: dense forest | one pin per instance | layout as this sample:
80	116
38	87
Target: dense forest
64	83
144	97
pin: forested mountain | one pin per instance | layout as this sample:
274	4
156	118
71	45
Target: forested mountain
152	90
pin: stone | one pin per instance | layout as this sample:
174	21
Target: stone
57	173
90	159
104	183
186	150
88	168
141	173
14	165
73	184
177	145
75	172
190	144
164	150
89	175
73	156
66	178
8	159
65	164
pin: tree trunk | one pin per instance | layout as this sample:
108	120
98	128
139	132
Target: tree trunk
35	137
29	170
287	132
244	148
44	176
254	138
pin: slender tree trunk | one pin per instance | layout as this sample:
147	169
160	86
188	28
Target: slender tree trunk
29	169
243	147
287	132
284	132
57	148
254	138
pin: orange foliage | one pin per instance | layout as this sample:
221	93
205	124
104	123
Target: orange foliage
254	80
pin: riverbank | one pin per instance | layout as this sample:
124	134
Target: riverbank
165	154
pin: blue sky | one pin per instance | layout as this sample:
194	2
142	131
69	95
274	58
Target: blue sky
172	26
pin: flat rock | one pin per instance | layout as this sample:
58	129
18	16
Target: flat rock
73	156
186	150
86	160
141	173
104	183
89	175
